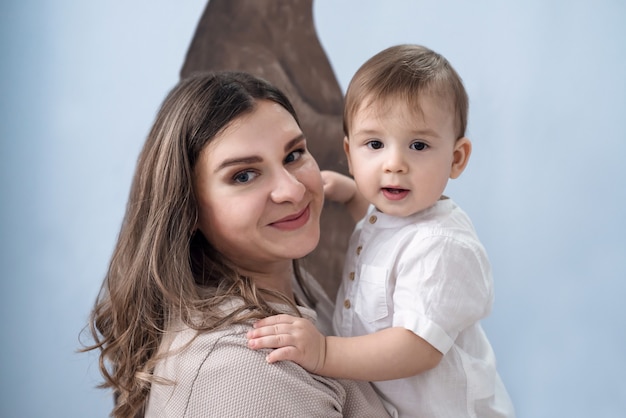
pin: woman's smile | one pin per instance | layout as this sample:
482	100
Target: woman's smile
293	222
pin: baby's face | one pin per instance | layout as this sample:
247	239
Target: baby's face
401	158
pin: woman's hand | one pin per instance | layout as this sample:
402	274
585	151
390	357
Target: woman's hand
293	338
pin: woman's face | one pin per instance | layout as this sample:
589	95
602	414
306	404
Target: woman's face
259	190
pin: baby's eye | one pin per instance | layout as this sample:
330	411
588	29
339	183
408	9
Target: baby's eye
294	156
375	144
244	176
418	146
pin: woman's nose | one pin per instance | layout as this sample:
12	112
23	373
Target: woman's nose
287	188
394	161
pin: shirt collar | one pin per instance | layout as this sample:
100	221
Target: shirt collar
379	219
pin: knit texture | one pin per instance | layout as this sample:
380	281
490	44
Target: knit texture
217	375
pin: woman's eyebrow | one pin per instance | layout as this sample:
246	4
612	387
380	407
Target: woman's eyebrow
238	161
254	158
293	142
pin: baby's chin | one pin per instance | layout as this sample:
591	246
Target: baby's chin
399	210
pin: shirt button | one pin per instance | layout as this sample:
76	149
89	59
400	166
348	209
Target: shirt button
373	219
358	249
346	304
351	276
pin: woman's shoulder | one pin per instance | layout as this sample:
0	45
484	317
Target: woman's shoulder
216	374
190	366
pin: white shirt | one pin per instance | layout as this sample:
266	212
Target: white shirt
430	274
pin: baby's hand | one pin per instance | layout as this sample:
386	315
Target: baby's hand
295	339
337	187
342	189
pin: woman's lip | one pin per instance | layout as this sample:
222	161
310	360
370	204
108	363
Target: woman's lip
294	216
294	221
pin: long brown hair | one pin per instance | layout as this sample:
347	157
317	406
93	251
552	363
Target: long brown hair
161	268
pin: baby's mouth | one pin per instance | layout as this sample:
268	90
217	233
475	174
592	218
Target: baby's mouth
394	190
395	193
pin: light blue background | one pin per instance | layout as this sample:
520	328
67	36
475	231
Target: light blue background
81	82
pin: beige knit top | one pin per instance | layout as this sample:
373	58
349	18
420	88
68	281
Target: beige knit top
217	375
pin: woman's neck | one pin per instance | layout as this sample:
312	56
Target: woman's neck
277	277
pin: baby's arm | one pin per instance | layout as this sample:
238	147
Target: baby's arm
392	353
342	189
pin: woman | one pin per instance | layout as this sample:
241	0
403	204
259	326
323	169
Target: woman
224	201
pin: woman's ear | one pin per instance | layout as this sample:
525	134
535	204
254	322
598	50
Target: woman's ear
346	149
460	156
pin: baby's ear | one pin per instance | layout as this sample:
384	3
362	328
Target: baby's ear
346	149
461	155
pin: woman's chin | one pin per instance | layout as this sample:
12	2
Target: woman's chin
306	245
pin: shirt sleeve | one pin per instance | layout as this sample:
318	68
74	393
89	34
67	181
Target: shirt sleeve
443	285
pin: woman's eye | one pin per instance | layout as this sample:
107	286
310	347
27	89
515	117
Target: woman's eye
294	156
375	144
244	176
418	146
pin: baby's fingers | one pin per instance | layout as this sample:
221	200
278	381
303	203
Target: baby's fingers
282	354
270	341
264	331
274	320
